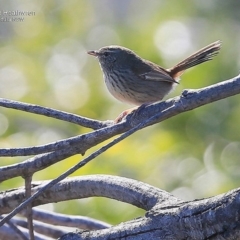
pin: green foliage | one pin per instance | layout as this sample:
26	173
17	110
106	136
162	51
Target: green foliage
43	60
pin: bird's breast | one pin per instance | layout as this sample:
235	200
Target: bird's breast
116	86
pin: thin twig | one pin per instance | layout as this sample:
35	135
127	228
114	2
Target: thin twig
50	112
44	229
58	219
16	229
28	188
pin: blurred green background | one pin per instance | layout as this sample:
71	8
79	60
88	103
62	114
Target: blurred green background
43	61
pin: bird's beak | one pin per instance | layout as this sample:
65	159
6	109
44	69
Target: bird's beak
94	53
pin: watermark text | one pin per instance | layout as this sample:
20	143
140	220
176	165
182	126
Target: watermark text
15	16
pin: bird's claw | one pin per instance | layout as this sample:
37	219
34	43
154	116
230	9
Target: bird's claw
135	111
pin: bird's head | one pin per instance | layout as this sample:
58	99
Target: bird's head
113	56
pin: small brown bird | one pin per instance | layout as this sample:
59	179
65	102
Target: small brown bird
137	81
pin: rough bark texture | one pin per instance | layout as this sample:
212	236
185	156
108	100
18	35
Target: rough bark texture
213	218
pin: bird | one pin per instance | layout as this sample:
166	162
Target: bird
137	81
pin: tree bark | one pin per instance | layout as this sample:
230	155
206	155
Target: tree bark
212	218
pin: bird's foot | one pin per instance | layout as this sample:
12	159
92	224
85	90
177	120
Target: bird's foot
135	111
124	114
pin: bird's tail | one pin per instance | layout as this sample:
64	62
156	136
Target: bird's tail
201	56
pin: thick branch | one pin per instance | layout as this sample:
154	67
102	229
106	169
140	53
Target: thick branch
122	189
213	218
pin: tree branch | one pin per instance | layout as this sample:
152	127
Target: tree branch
53	113
73	221
213	218
122	189
44	229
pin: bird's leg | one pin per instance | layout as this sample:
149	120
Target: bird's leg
124	114
136	110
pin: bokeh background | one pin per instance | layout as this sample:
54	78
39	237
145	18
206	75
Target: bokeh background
43	61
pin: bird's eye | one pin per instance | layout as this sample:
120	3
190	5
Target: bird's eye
106	54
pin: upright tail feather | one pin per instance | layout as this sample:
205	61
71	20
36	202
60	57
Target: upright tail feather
201	56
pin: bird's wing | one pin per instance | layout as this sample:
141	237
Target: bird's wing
153	72
157	76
